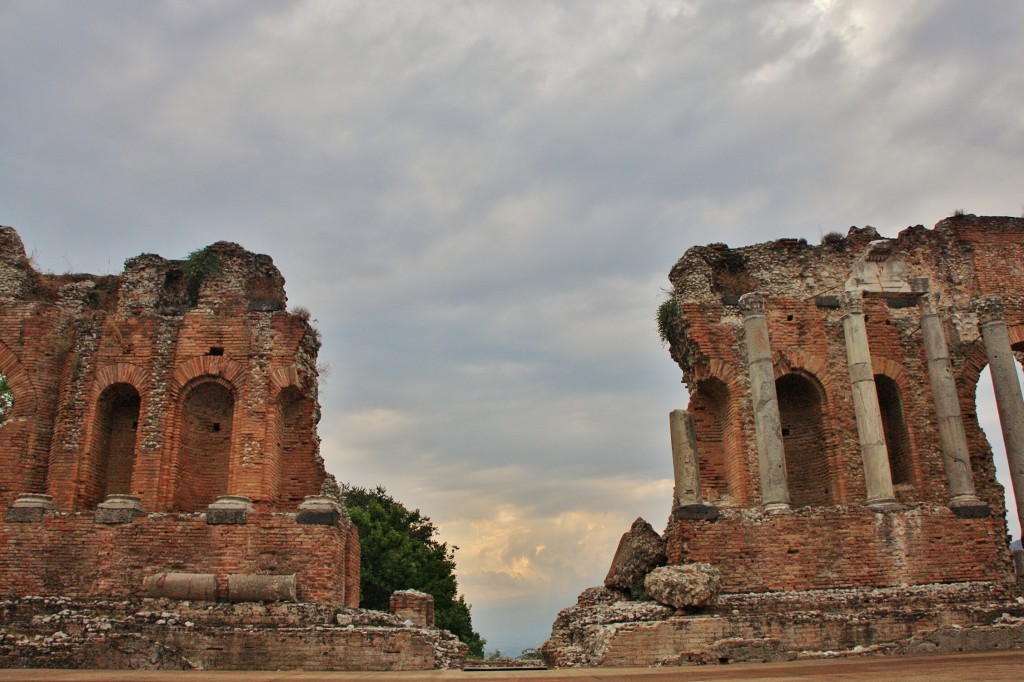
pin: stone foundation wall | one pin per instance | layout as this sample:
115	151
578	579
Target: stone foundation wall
71	555
169	635
605	629
831	547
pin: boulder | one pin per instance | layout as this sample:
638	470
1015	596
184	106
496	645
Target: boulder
687	585
640	551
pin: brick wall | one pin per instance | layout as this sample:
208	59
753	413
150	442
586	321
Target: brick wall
70	555
176	391
831	539
832	547
154	385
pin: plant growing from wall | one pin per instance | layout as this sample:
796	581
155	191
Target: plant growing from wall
199	265
668	311
833	239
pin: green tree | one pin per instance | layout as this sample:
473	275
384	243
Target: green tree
6	398
400	552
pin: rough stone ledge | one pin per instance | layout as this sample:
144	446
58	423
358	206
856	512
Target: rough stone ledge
605	628
171	635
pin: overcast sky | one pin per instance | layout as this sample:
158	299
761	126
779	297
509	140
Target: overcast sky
480	203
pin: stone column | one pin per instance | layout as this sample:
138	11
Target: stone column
684	458
877	476
771	454
1007	389
956	457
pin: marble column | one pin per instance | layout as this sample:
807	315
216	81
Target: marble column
877	476
1007	389
771	453
685	464
952	439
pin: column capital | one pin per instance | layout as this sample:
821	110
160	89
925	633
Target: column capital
753	303
990	309
854	302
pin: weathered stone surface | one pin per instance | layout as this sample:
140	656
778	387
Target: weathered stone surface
581	632
816	623
640	550
184	586
118	509
174	635
413	606
321	510
248	587
30	508
688	585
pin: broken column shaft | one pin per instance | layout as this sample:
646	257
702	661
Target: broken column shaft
771	453
952	438
1009	402
877	475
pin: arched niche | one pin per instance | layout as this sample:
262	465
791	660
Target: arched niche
722	467
111	460
894	425
204	454
801	409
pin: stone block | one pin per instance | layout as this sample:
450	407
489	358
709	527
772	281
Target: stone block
320	510
181	586
696	512
640	550
413	606
687	585
30	508
252	587
118	509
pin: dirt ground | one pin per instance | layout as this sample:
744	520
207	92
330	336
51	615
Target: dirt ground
1004	665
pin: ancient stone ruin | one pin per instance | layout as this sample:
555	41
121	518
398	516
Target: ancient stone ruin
166	503
834	492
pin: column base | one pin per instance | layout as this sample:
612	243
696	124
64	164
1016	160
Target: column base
777	508
884	506
969	507
30	508
228	510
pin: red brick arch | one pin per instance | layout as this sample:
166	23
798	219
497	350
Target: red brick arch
186	377
120	373
217	366
1016	333
794	361
18	379
285	377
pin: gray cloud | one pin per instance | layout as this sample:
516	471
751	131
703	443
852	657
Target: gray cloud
480	201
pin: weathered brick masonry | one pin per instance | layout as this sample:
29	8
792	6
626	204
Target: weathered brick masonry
832	439
162	443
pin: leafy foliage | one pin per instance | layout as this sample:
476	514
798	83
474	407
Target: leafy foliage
833	238
200	263
667	312
6	398
400	552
